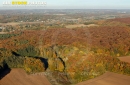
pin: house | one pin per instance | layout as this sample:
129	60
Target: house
1	29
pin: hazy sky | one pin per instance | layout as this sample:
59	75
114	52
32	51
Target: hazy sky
82	4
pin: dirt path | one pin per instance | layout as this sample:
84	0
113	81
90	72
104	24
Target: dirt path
19	77
108	78
125	58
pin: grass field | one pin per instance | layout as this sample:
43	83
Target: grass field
108	78
19	77
80	25
17	23
125	59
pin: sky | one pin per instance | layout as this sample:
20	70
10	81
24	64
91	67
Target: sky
80	4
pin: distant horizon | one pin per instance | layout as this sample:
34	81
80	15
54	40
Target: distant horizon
71	4
58	9
33	7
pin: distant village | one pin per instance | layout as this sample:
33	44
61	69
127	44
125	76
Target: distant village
43	19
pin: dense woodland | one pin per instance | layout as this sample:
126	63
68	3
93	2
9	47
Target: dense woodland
79	53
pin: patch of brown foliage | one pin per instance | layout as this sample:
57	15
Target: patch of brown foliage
109	37
123	20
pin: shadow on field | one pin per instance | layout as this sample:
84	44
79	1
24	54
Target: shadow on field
5	71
